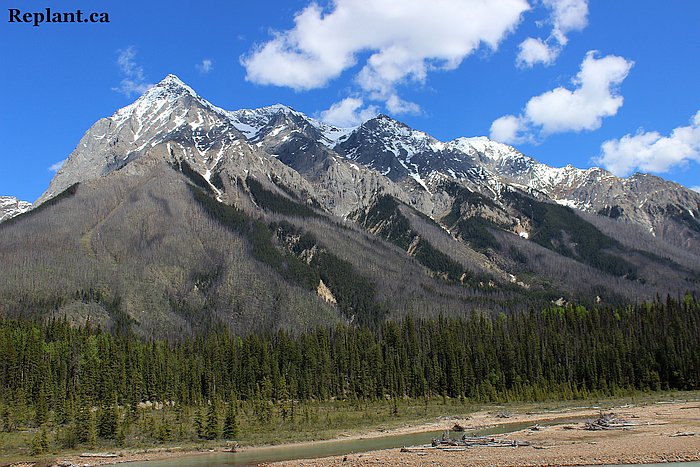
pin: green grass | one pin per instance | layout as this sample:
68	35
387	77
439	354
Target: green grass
313	421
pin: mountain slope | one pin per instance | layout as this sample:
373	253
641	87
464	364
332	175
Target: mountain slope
174	215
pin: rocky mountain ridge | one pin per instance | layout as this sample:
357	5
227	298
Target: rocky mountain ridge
414	161
11	207
176	213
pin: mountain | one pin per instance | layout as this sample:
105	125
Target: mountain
174	215
488	167
11	207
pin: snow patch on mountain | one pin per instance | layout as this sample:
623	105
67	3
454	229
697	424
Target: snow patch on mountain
11	207
251	121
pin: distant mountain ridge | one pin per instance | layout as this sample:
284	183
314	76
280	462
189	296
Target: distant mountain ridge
399	152
174	214
11	207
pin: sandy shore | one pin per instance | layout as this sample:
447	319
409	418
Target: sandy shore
651	439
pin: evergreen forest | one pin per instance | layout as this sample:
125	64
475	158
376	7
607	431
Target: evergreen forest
82	385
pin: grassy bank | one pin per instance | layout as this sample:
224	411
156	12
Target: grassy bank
168	427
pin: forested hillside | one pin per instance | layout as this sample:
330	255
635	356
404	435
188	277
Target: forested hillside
52	375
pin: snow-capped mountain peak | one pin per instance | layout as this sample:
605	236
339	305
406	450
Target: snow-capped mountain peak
170	111
166	91
399	138
173	84
250	122
11	207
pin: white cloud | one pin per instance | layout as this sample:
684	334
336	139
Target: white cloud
651	151
134	80
565	16
395	104
206	66
57	166
535	51
568	15
348	112
406	40
696	188
508	129
594	97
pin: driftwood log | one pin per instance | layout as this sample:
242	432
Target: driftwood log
99	454
446	442
608	422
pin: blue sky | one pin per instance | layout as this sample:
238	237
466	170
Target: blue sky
612	83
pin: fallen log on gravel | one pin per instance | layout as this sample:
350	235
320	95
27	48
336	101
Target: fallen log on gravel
607	422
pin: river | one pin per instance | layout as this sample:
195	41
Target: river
256	455
285	452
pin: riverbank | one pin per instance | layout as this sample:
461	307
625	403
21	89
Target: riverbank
562	442
659	432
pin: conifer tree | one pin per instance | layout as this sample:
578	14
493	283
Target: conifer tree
120	435
165	430
92	430
61	408
212	430
84	425
179	419
107	419
198	421
42	409
231	421
40	442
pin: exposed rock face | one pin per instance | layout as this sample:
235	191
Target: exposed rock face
172	211
343	169
641	199
325	293
11	207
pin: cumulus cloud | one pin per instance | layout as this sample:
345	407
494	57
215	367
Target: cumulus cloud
696	188
651	151
594	96
348	112
56	166
535	51
508	129
568	15
399	106
206	66
134	79
565	16
406	39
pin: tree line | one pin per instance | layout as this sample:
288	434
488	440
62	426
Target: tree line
83	375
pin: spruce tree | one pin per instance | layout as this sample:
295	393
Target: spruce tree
231	421
120	435
42	409
199	423
61	409
165	430
107	419
212	430
40	442
84	425
92	430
